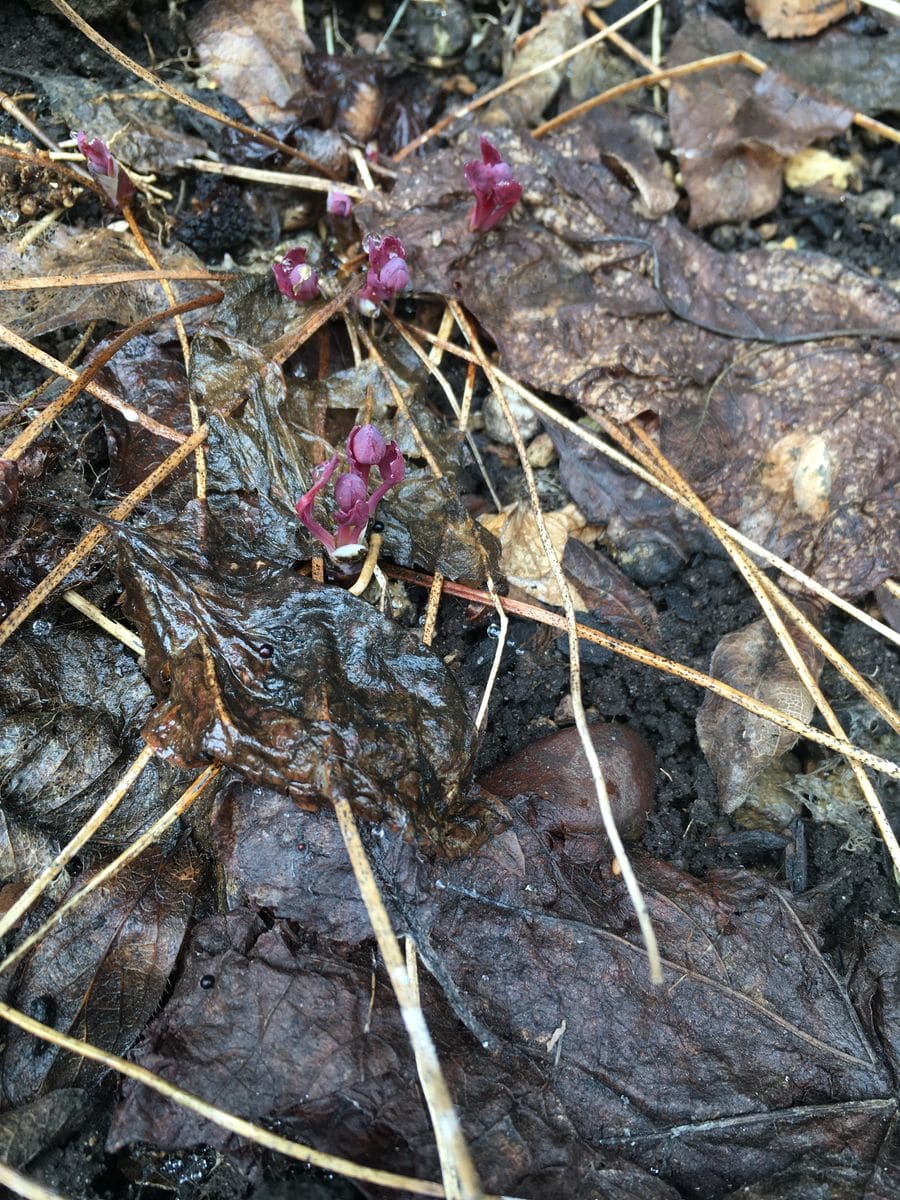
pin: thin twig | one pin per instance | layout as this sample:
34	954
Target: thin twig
30	283
122	634
481	718
609	823
432	608
307	183
368	567
23	1186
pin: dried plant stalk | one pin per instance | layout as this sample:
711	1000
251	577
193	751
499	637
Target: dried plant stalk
609	824
23	1186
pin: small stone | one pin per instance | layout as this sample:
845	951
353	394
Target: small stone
541	452
496	425
554	773
873	204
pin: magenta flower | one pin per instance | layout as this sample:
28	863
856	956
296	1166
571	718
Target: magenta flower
338	204
387	275
114	179
296	279
355	507
496	192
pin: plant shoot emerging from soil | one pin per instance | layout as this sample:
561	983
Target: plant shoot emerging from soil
366	448
296	279
496	192
114	179
387	275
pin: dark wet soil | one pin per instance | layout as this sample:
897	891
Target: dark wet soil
702	602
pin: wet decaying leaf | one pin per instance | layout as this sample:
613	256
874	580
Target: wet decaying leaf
738	745
143	368
733	132
29	1129
296	684
84	252
266	453
859	71
751	1049
101	973
71	704
646	316
609	594
254	51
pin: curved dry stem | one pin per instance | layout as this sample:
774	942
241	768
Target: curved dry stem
137	847
481	718
460	1177
752	576
609	823
23	1186
219	1116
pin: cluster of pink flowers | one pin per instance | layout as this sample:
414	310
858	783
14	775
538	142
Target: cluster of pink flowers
366	448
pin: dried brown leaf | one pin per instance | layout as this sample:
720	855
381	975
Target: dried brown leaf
797	18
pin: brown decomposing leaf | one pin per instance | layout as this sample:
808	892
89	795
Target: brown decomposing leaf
739	746
295	684
143	368
254	51
84	252
751	1051
522	557
733	132
859	71
797	18
609	594
71	702
101	973
587	300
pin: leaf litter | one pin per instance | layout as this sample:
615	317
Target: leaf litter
753	1055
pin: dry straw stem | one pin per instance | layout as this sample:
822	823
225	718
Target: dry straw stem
591	439
306	183
30	283
30	397
83	380
191	793
753	578
126	636
481	718
175	93
431	610
400	401
39	884
733	58
667	666
509	84
368	567
618	848
169	293
458	1171
218	1116
23	1186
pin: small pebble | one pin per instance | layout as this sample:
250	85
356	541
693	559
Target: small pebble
554	772
541	452
495	423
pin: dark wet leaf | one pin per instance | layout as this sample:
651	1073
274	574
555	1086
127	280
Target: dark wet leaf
650	534
733	132
739	746
610	595
84	252
71	700
856	70
156	374
622	315
295	684
29	1129
750	1050
100	974
627	150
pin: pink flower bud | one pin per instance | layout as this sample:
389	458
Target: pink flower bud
296	279
496	192
117	187
338	204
